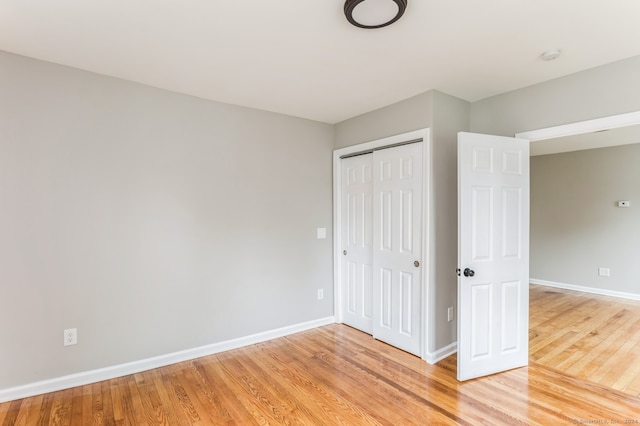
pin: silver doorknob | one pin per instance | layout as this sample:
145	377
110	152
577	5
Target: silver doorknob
416	263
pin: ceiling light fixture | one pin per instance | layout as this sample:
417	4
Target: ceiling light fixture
374	13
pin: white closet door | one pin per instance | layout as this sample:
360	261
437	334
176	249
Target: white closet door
397	246
357	255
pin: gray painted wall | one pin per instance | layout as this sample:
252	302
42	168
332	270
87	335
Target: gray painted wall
151	221
411	114
451	115
599	92
575	224
446	116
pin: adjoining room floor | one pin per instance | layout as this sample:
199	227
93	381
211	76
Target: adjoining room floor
591	337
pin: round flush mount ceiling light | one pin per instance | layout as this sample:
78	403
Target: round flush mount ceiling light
374	13
550	55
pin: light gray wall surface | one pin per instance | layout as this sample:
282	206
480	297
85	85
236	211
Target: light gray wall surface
576	226
151	221
411	114
445	115
450	116
599	92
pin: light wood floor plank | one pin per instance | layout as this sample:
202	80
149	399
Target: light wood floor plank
121	402
592	337
325	365
371	383
580	353
187	384
10	411
336	375
293	373
633	388
622	373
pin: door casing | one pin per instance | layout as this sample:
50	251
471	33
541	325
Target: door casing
426	261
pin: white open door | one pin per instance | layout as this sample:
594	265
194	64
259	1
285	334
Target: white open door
493	254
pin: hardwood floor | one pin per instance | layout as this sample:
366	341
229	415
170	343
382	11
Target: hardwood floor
596	338
332	375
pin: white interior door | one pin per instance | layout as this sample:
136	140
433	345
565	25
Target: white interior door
397	241
493	254
357	229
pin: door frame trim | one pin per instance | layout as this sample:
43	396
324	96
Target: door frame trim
580	127
426	260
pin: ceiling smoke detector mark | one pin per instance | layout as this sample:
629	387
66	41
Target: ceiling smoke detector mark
550	55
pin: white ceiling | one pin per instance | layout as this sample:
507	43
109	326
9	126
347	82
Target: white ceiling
301	57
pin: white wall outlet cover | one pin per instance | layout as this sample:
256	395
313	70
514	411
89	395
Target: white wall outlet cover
321	233
624	203
70	336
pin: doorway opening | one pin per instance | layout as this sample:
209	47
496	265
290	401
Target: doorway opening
583	249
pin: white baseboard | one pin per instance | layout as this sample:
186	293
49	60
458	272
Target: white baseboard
592	290
86	377
440	354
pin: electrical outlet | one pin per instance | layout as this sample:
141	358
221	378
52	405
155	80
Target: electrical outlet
450	314
321	233
320	294
604	272
70	336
